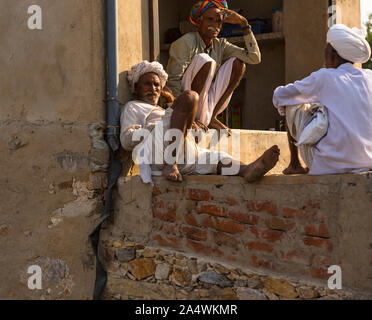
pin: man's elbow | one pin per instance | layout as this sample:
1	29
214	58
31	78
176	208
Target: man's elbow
256	59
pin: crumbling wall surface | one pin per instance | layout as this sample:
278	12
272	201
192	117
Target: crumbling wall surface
53	157
287	227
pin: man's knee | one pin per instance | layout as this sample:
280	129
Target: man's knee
238	67
189	100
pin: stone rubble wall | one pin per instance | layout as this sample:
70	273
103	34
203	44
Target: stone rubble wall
149	273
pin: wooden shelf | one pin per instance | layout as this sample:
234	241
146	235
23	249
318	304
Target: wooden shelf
272	37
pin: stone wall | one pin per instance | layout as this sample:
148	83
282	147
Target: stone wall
53	154
292	227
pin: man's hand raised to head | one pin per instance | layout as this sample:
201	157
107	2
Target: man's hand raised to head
230	16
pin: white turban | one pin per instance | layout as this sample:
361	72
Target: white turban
350	44
145	67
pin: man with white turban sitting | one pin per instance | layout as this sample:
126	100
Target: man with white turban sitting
346	93
147	82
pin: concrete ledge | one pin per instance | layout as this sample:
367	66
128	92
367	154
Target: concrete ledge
294	226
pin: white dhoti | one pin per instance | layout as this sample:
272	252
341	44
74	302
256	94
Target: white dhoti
307	124
213	89
191	160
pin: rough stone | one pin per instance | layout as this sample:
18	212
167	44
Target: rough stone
116	244
148	253
211	277
308	293
180	277
142	268
162	271
255	283
192	265
221	270
250	294
228	294
125	254
140	290
281	288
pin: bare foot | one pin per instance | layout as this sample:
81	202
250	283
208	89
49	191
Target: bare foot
262	165
295	169
218	125
170	172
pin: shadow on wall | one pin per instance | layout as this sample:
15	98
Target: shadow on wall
125	95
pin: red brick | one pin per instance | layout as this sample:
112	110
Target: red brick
299	213
322	261
313	205
316	231
194	233
267	207
318	242
198	194
276	223
212	210
207	222
259	246
229	226
271	235
261	263
190	219
319	273
168	242
255	231
225	240
298	257
268	235
169	228
156	191
203	249
158	203
232	201
165	216
247	218
172	206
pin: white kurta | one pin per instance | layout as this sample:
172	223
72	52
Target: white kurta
138	115
347	94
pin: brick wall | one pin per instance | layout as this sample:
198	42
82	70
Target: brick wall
291	226
214	221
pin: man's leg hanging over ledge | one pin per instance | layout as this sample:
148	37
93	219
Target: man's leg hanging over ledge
183	116
295	166
257	169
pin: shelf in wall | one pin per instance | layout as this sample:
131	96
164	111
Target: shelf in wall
272	37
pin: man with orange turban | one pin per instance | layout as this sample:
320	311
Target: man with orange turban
211	66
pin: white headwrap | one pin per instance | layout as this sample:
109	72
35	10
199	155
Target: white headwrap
350	44
145	67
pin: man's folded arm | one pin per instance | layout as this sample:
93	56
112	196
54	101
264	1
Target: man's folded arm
251	54
129	124
307	90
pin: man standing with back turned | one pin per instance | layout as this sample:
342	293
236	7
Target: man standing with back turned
346	93
208	65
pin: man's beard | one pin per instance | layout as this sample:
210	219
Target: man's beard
151	98
217	30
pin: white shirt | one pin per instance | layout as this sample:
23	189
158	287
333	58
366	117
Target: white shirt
136	115
347	94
